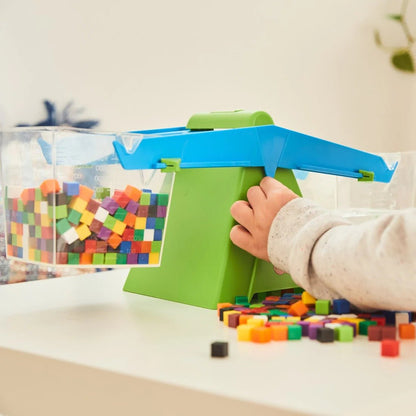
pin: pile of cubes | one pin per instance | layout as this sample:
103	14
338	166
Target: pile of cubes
292	316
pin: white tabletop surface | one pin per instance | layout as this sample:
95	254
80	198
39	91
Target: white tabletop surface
89	322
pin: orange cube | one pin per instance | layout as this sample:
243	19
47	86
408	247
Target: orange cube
244	318
407	331
298	309
130	219
85	193
85	258
133	193
221	305
49	186
261	334
146	247
279	332
114	240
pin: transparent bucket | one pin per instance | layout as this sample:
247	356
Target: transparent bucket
362	201
68	202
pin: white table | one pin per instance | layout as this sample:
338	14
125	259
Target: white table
81	346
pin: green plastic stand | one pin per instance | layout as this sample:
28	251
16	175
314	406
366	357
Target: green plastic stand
200	266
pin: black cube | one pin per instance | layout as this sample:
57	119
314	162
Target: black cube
219	349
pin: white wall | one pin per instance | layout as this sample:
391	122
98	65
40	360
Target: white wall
312	64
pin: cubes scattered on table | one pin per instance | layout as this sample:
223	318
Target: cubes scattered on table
275	319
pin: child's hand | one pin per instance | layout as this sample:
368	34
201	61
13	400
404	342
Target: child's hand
255	217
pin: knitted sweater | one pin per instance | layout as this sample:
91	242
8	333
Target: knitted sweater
372	264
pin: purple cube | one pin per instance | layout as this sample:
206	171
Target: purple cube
305	327
110	205
104	233
132	206
313	330
161	211
132	258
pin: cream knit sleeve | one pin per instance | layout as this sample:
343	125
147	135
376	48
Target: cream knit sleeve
372	264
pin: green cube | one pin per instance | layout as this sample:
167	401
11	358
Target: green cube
73	258
241	300
344	333
20	206
110	258
145	198
38	231
322	307
159	223
156	246
294	332
276	312
62	226
101	193
14	239
25	218
74	216
38	255
162	199
109	222
363	327
61	211
138	235
256	305
120	214
121	258
98	258
31	218
38	195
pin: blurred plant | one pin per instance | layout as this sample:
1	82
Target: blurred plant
401	57
65	119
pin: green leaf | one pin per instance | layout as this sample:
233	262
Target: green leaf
377	38
397	17
403	60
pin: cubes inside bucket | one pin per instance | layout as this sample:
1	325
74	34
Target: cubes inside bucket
67	208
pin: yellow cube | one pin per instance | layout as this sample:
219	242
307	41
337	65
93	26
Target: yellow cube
13	227
87	217
37	207
31	254
140	223
293	318
78	204
119	227
83	231
244	332
45	221
255	322
308	299
153	258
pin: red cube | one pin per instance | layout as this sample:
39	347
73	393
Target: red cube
389	348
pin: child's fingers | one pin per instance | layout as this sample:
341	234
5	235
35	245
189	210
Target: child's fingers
241	237
255	196
242	213
270	185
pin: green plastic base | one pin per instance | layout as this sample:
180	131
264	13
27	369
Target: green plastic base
200	266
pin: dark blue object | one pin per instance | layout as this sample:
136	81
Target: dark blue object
52	118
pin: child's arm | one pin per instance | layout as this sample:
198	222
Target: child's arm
372	264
